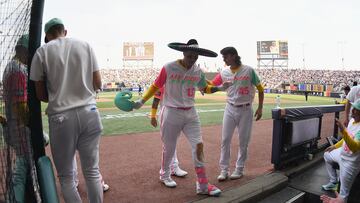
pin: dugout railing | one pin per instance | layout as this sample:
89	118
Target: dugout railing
297	131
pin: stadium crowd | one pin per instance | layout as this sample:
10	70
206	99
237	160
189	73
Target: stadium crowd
130	77
272	77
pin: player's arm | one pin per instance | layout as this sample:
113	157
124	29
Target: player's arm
256	81
38	76
210	87
41	91
97	80
353	144
339	143
343	102
153	111
159	82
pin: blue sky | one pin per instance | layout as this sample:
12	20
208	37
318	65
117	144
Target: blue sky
323	31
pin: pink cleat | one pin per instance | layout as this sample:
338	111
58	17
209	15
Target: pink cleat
211	190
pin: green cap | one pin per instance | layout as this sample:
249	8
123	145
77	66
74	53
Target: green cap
52	22
23	41
356	104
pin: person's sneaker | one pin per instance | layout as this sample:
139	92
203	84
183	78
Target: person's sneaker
223	175
236	175
168	182
179	172
211	190
330	186
105	186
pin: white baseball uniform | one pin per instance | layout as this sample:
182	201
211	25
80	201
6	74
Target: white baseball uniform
74	121
353	95
238	112
174	162
348	161
178	113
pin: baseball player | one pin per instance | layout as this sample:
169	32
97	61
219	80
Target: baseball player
72	77
105	186
345	153
238	111
175	168
353	95
182	78
342	99
16	110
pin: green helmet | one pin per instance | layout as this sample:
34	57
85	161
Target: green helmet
122	101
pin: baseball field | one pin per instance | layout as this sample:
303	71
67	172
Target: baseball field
209	106
129	161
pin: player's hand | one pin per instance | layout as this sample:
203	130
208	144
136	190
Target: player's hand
138	104
225	86
258	114
153	122
339	124
346	122
329	149
327	199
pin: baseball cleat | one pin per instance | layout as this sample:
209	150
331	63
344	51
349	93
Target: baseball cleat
330	186
105	186
236	175
210	190
223	176
179	172
168	182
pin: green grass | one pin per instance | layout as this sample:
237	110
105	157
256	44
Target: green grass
125	125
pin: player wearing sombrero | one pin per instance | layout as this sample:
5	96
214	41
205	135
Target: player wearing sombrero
182	78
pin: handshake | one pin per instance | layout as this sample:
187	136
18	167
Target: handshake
225	86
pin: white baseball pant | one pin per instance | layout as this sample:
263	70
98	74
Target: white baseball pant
348	171
242	118
173	122
77	129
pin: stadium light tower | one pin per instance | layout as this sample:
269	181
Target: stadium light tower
303	55
341	45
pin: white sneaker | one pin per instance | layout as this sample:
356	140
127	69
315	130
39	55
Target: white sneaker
105	186
179	172
210	190
236	175
168	182
223	176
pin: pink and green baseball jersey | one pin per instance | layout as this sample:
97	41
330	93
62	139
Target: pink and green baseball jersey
180	83
244	81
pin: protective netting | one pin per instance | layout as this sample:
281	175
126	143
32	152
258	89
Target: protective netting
18	181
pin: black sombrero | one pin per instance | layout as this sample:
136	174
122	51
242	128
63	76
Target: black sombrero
192	45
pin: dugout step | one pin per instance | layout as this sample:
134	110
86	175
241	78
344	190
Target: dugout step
288	195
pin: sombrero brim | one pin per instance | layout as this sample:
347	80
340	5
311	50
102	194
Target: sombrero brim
184	47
